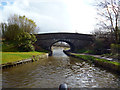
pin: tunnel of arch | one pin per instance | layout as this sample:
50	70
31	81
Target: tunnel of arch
69	43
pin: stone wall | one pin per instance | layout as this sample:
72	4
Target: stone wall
75	40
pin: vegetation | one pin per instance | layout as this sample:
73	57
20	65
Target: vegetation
8	47
17	39
19	32
107	31
115	48
8	57
101	46
115	51
86	51
10	54
25	41
110	65
92	58
108	16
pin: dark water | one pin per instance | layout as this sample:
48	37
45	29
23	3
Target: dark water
50	72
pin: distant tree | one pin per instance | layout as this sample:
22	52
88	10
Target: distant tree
3	29
12	31
17	23
108	15
28	25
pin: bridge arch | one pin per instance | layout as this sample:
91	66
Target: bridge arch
68	42
75	40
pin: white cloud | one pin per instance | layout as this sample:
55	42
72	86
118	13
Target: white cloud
54	15
82	16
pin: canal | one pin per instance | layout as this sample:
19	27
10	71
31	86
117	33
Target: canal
50	72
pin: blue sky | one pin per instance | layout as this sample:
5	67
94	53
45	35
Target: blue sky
53	15
2	4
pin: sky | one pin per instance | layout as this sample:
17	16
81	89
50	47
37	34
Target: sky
76	16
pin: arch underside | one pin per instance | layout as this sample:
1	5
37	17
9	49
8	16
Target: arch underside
69	43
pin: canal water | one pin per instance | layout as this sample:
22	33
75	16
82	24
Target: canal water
50	72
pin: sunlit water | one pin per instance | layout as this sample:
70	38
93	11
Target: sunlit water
50	72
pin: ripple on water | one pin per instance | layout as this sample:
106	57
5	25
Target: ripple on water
52	71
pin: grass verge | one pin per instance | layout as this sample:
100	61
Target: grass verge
8	57
92	58
109	65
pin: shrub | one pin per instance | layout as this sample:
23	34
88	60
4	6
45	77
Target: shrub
98	47
115	48
25	41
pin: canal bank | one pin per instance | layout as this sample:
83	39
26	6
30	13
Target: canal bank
98	61
11	59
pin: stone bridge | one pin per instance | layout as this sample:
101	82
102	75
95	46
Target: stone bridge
75	40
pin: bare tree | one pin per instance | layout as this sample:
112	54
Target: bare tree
3	29
108	15
28	25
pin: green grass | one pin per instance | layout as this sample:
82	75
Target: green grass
8	57
109	65
92	58
9	53
103	60
85	51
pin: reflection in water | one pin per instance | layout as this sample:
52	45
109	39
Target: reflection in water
52	71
